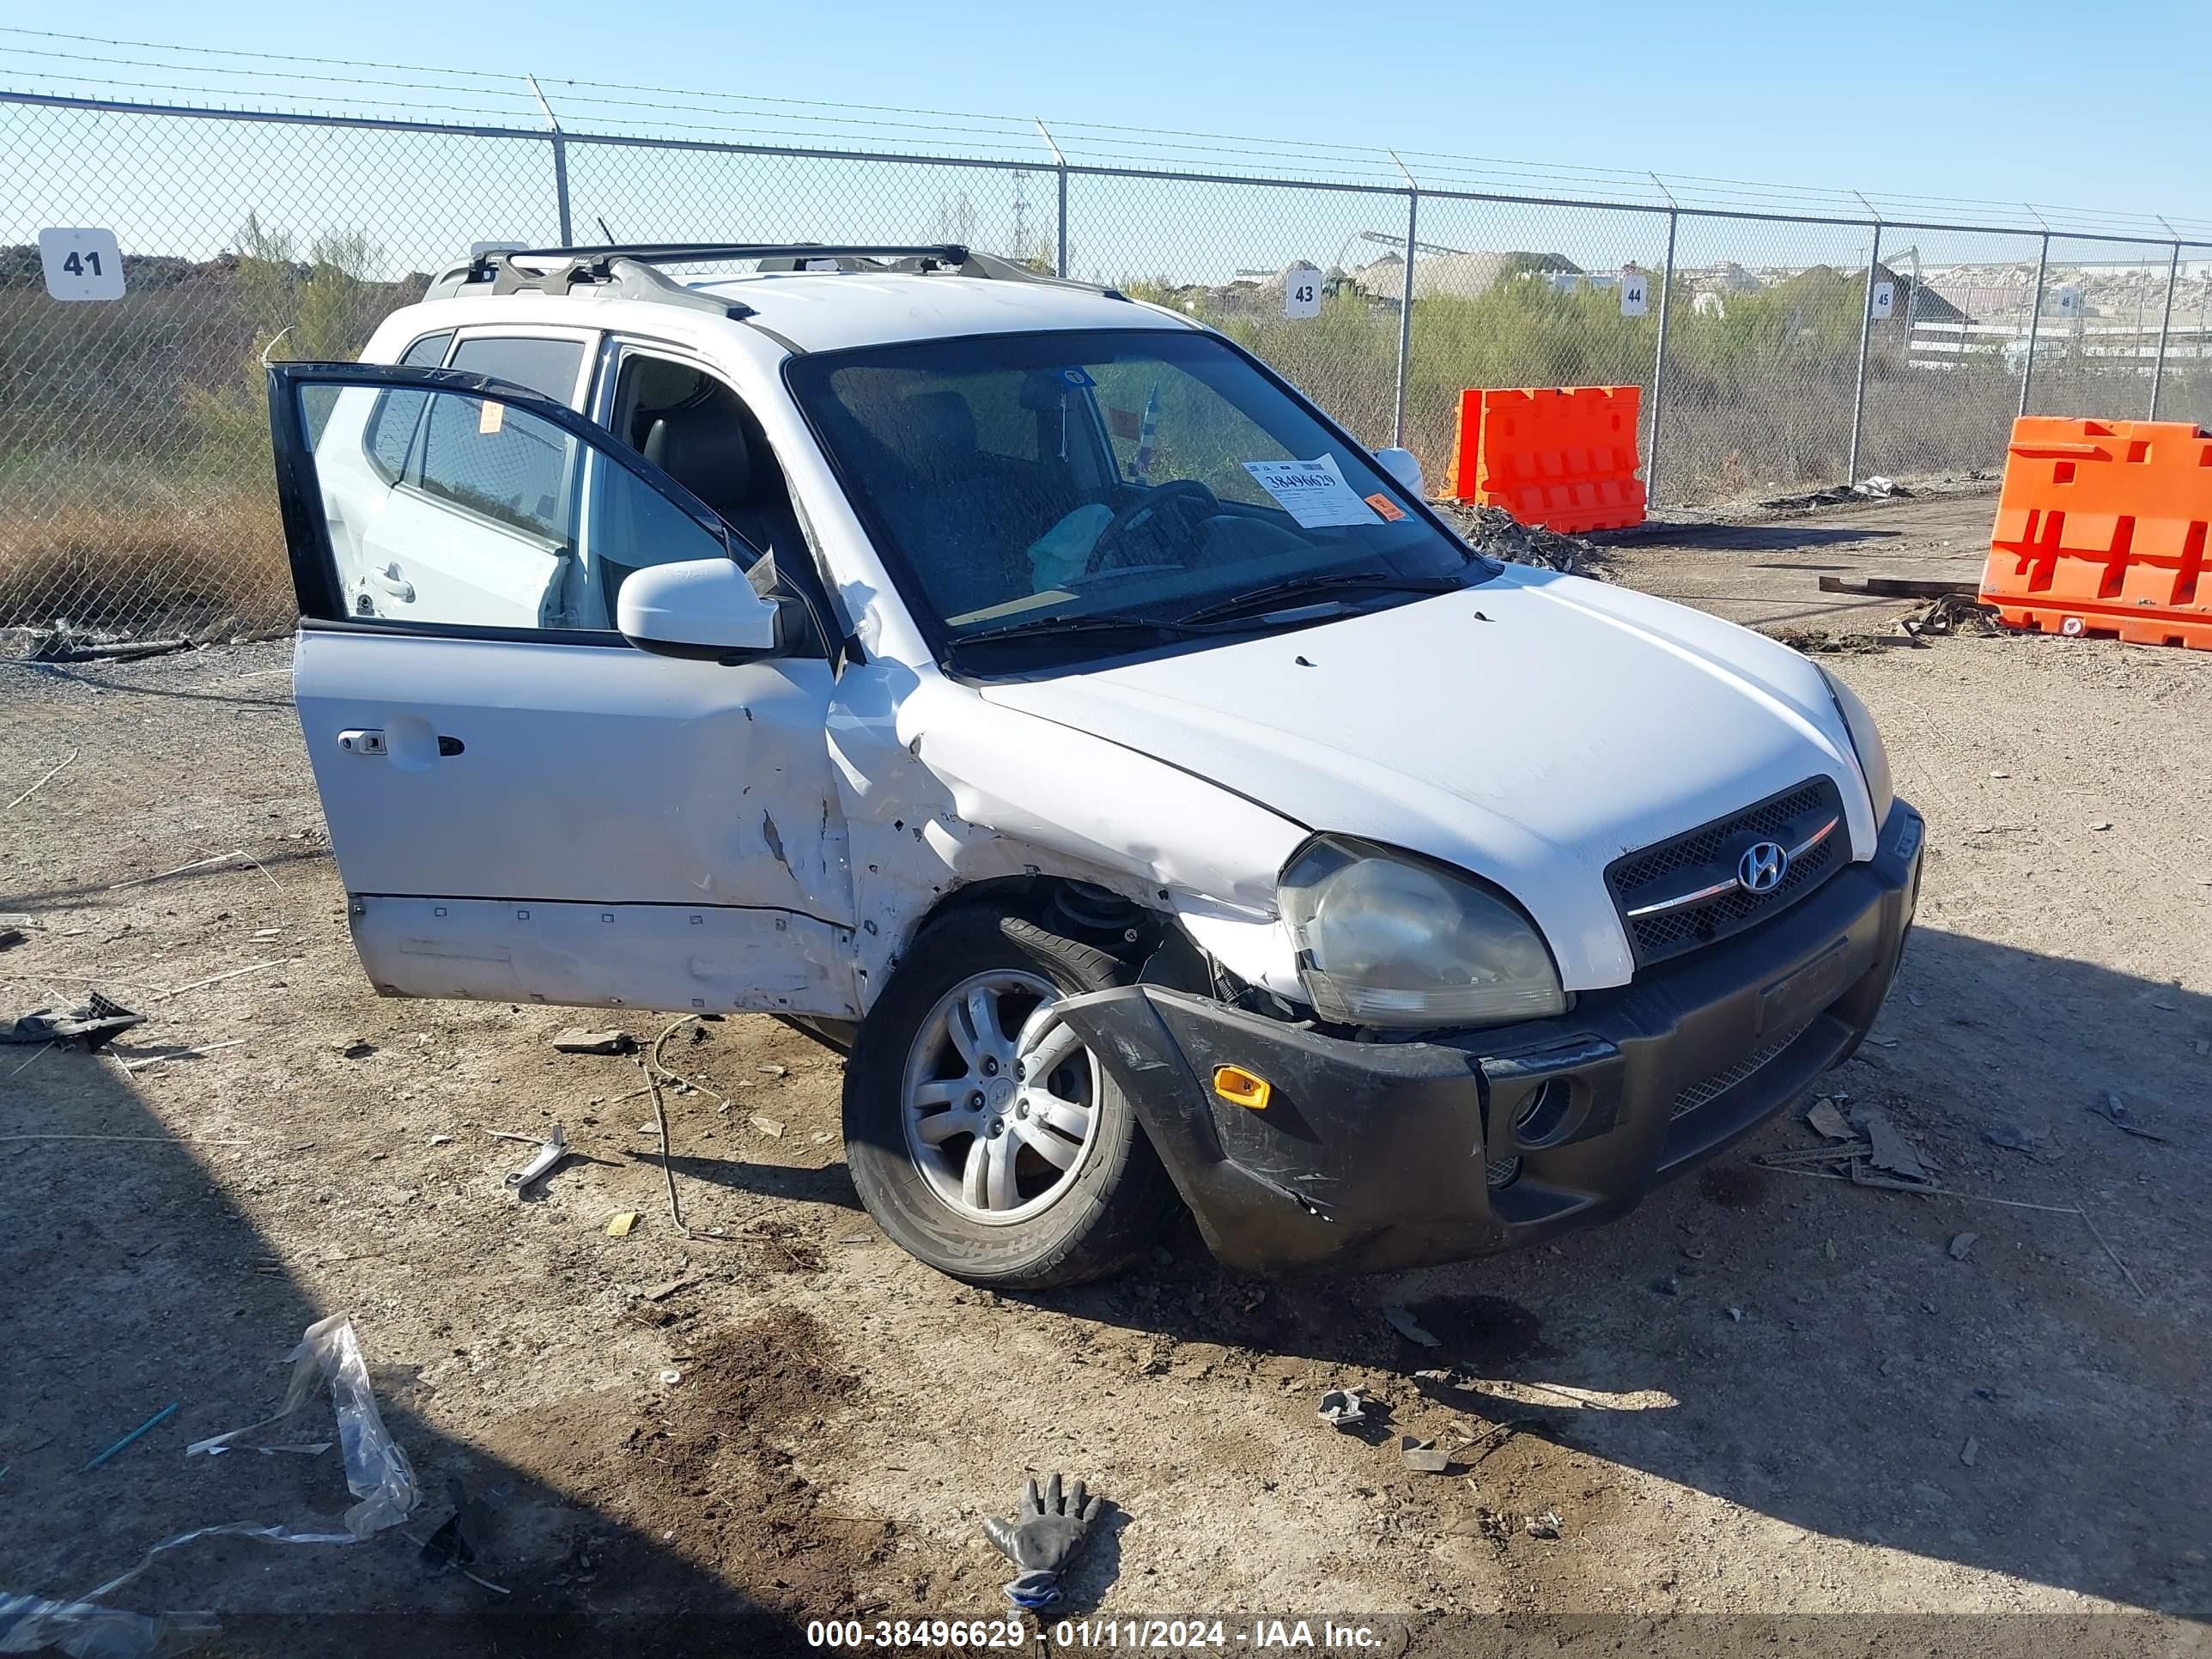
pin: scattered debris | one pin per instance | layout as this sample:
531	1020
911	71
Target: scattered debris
63	642
1342	1407
2114	1111
90	1024
619	1224
442	1140
670	1377
217	979
1423	1456
773	1071
577	1040
550	1152
1546	1525
181	1054
179	870
144	1429
1669	1286
1407	1326
1735	1315
1827	1119
55	772
766	1126
2012	1137
2101	824
1960	1244
1887	1149
454	1545
356	1048
662	1292
1950	614
1970	1451
1875	488
1043	1534
1494	531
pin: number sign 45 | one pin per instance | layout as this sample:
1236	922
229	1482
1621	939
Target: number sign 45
81	264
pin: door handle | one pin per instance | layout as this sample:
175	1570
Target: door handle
392	582
358	742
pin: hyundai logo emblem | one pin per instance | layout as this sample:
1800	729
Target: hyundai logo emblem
1760	869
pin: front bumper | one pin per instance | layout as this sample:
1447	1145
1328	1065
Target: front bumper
1378	1155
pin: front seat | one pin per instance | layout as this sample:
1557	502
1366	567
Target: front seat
706	448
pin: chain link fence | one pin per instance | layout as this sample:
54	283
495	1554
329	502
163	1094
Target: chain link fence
1776	351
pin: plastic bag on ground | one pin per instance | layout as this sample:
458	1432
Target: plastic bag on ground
377	1471
31	1624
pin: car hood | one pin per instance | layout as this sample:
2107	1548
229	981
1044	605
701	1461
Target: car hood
1531	730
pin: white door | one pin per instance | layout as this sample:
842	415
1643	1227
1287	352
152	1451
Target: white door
524	805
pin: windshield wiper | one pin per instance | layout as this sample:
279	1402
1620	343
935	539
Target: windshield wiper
1296	587
1094	622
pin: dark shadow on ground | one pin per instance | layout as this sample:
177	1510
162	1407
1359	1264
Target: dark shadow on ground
279	695
65	898
1742	538
831	1184
134	1283
1814	1352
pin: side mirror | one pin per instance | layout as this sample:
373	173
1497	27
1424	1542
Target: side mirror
697	608
1404	469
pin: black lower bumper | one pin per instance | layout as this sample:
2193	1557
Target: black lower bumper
1378	1154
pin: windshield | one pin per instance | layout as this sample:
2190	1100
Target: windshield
1028	485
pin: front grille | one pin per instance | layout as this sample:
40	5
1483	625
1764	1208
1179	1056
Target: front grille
1708	855
1704	1091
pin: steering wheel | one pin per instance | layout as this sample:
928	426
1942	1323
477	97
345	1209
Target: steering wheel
1188	497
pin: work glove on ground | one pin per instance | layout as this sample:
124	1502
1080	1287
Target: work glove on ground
1042	1537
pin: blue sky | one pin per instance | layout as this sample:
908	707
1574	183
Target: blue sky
2090	107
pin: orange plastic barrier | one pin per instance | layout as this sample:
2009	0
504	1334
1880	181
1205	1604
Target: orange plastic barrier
1563	458
2100	529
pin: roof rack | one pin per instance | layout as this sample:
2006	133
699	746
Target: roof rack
631	269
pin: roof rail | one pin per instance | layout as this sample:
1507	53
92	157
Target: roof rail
631	269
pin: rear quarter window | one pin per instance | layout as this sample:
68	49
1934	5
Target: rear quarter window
389	431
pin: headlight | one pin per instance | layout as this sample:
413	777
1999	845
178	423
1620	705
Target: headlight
1386	939
1866	740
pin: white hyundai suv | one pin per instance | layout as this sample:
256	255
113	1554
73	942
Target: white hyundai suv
1026	691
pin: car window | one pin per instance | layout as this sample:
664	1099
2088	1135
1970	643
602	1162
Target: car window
1152	473
481	528
396	416
546	366
487	456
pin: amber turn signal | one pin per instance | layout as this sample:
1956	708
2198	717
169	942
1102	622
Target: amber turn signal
1241	1088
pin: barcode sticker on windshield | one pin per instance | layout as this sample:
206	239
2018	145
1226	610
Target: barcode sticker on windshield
1312	492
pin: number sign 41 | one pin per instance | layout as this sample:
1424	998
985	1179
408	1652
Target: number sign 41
81	264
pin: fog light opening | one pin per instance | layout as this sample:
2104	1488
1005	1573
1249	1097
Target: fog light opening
1501	1172
1543	1116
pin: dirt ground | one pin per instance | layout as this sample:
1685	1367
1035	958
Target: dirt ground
1769	1411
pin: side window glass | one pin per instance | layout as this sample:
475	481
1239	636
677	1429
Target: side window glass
397	416
481	529
546	366
487	456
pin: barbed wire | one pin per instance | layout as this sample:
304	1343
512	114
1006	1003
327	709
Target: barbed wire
511	99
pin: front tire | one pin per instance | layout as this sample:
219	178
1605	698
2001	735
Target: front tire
984	1138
